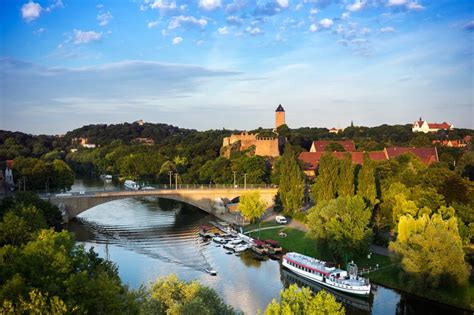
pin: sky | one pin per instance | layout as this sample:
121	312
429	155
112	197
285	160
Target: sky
212	64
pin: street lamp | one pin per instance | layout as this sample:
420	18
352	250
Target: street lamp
170	172
245	181
234	178
176	180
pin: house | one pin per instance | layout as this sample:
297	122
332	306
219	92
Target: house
335	130
451	143
424	126
320	146
83	142
311	159
143	141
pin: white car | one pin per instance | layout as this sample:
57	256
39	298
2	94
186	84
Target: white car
280	219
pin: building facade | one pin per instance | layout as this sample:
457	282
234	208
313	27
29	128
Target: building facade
424	126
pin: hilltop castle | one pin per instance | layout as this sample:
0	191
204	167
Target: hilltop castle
263	146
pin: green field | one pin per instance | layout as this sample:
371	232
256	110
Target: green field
387	275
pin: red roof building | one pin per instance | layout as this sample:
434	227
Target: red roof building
320	146
424	126
426	155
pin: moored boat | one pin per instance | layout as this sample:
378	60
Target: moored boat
318	271
273	246
130	184
259	247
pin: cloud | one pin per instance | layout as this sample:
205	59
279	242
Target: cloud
223	30
210	4
84	37
31	11
415	6
152	24
234	20
104	18
345	15
283	3
267	8
235	6
39	31
387	29
54	5
313	28
177	40
356	6
326	23
392	3
163	5
254	31
186	21
469	26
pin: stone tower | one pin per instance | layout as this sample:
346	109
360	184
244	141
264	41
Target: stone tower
279	116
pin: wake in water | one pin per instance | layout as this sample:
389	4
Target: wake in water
182	247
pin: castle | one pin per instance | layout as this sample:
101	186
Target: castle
263	146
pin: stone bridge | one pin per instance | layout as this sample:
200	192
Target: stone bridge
72	204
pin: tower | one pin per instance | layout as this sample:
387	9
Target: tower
279	116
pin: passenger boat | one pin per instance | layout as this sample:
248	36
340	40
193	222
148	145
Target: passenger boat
130	184
337	279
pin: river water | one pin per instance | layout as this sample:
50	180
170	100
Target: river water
149	238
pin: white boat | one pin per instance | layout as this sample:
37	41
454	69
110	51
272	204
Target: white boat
219	240
337	279
241	248
233	244
211	271
130	184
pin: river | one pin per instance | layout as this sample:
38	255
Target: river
149	238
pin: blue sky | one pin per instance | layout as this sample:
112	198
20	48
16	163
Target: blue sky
212	63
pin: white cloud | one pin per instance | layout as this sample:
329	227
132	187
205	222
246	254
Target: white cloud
84	37
313	11
313	28
104	18
39	31
31	11
326	23
298	6
163	5
392	3
254	30
177	40
365	31
234	20
152	24
387	29
186	21
54	5
283	3
164	32
356	6
209	4
415	6
345	15
223	30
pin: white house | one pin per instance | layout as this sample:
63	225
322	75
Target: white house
424	126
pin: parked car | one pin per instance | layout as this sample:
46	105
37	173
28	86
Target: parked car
280	219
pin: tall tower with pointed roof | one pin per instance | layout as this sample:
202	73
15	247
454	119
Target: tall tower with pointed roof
279	116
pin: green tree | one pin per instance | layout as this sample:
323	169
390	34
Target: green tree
334	147
325	187
295	301
341	223
366	185
63	176
291	188
250	205
169	295
430	251
345	184
465	165
38	303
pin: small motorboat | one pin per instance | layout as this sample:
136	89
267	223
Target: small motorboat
211	271
240	248
219	240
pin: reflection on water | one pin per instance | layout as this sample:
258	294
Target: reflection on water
149	238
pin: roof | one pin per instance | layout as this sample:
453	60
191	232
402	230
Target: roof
426	155
311	159
280	108
320	146
259	243
271	242
443	125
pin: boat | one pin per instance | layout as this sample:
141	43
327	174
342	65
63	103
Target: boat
211	271
219	240
233	244
357	302
241	248
204	232
131	185
273	246
318	271
259	247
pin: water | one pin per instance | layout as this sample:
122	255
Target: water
149	238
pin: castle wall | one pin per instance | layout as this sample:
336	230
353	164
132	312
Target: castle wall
267	147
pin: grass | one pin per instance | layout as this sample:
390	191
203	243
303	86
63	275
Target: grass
263	224
387	275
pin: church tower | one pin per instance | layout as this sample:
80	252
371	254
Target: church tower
279	116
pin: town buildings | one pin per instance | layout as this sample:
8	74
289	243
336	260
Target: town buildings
424	126
263	146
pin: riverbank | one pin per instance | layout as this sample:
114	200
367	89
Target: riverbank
386	275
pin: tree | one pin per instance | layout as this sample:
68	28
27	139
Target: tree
38	303
366	186
303	301
430	251
465	165
334	147
250	205
169	295
325	187
63	176
345	184
342	223
291	188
